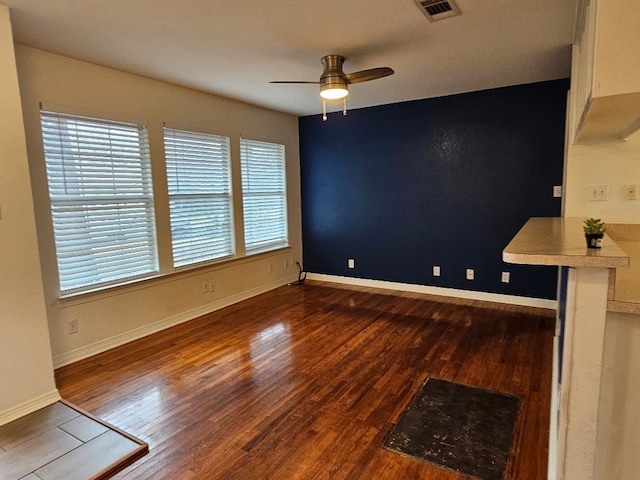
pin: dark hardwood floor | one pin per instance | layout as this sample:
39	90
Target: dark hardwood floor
306	382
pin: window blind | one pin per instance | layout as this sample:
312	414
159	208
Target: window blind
263	195
99	177
200	202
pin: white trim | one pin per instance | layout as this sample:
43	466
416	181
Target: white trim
94	114
445	292
29	406
552	463
137	333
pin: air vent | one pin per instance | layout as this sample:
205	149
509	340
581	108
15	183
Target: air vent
438	9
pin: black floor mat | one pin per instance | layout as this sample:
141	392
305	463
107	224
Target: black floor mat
466	429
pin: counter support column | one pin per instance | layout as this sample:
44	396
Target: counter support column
582	371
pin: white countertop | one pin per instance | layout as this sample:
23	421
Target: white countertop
560	241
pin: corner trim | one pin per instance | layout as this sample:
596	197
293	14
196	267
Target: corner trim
445	292
29	406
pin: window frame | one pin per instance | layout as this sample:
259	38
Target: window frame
80	153
283	240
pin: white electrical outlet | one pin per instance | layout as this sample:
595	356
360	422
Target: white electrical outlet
557	191
436	270
351	263
506	276
72	326
631	192
470	274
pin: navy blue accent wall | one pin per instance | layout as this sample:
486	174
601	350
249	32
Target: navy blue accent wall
445	181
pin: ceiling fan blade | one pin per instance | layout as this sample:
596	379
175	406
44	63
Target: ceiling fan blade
366	75
294	81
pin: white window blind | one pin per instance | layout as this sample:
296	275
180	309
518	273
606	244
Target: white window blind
199	181
99	176
263	195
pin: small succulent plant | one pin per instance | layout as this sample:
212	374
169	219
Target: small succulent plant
593	226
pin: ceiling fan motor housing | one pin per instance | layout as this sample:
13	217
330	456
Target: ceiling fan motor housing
333	77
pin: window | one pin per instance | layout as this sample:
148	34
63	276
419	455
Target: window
99	176
200	206
263	195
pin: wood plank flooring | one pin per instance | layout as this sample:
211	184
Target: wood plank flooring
306	382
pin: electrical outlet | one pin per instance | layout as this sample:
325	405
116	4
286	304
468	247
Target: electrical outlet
631	192
506	276
286	263
557	191
72	326
209	286
351	263
470	274
270	268
436	270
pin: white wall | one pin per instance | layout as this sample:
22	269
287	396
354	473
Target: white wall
121	314
615	164
619	418
26	372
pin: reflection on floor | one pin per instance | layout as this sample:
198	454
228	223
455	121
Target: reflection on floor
60	442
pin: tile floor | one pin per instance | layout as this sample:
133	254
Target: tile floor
60	443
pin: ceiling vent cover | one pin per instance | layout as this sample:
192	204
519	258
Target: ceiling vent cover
438	9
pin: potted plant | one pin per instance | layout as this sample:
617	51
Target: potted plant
593	232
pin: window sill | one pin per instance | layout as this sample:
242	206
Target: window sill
159	278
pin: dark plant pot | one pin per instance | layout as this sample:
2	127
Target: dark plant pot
594	240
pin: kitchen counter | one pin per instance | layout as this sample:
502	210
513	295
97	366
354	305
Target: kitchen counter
589	286
624	291
560	241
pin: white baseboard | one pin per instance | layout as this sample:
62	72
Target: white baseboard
135	334
445	292
29	406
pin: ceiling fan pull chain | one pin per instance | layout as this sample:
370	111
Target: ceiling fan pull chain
324	110
344	106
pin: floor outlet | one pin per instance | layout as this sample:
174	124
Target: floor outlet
470	274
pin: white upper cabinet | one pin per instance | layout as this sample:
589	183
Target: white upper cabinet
605	78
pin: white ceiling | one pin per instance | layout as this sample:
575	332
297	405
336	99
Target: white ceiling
234	48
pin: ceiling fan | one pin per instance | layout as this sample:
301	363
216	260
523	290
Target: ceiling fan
334	83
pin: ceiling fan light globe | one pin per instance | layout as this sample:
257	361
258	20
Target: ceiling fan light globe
334	93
